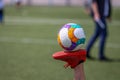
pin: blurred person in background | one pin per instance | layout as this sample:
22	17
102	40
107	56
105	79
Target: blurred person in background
18	3
1	11
100	10
87	5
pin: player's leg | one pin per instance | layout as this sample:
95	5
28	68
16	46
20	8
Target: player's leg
93	39
103	40
79	72
2	16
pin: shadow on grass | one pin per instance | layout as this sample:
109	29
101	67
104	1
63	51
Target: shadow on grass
106	60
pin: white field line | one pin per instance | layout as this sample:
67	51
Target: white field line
28	40
45	41
29	20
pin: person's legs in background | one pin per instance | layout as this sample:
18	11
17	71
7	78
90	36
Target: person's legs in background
93	39
1	16
103	37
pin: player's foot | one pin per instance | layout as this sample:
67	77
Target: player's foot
105	59
90	57
72	58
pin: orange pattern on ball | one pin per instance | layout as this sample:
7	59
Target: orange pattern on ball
71	35
59	41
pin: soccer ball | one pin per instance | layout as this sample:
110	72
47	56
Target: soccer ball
71	37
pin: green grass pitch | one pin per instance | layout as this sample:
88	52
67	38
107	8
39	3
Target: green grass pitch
28	40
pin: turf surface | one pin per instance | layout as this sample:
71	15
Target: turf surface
28	40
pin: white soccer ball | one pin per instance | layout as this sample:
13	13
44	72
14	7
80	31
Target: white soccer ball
71	37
